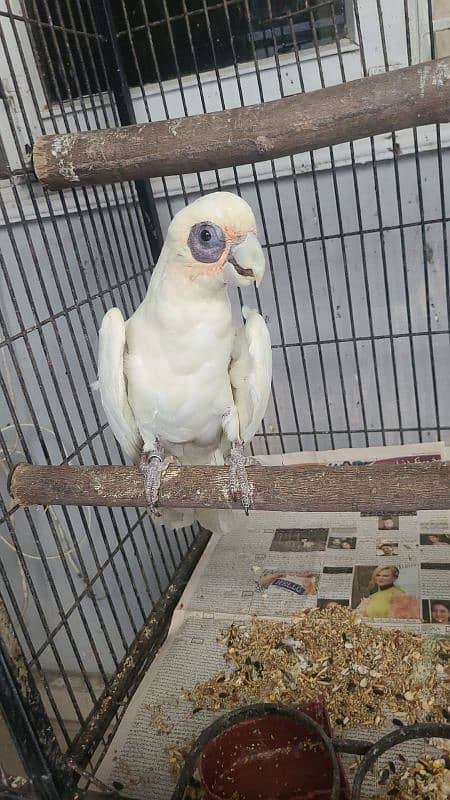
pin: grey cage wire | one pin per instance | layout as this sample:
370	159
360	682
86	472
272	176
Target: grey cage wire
357	301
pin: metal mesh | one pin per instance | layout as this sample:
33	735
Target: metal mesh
357	295
78	583
359	321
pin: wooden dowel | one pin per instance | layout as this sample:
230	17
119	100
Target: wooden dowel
400	99
368	489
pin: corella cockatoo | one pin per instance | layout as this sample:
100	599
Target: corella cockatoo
178	379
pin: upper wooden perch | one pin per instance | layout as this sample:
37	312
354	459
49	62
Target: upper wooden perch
416	95
399	488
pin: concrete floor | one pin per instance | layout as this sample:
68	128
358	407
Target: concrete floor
8	756
9	759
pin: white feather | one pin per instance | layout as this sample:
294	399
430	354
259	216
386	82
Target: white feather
111	382
251	372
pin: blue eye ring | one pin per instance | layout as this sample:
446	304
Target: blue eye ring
206	242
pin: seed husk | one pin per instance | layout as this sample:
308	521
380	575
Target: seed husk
288	662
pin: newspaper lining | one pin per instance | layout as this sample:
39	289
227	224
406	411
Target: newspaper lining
271	565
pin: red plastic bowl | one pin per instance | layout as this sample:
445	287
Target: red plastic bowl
271	757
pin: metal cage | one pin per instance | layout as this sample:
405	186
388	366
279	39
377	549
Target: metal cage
357	301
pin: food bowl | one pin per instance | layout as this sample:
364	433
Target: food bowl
276	754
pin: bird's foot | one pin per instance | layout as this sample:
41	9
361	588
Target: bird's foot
153	465
239	483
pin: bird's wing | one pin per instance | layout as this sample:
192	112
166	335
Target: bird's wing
112	383
251	372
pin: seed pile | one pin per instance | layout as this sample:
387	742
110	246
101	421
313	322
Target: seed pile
427	779
364	675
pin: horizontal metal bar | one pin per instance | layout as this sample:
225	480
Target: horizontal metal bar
372	488
379	337
403	98
167	20
86	301
343	234
265	22
50	25
352	431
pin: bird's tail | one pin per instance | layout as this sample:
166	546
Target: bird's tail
215	520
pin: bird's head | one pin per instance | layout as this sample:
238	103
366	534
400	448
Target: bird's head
213	240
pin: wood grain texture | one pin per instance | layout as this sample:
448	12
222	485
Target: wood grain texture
369	489
415	95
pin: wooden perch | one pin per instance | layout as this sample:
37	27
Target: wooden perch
371	489
415	95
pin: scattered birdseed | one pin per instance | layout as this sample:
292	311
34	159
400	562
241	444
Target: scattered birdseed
427	779
156	718
307	658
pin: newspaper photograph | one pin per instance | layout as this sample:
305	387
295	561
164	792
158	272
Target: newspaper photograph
245	613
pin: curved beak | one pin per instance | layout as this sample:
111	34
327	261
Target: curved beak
248	258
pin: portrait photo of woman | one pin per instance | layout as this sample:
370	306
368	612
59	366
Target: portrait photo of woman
382	596
440	612
436	611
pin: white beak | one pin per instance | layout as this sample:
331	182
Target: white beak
248	260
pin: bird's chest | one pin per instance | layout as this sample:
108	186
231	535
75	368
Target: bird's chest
178	380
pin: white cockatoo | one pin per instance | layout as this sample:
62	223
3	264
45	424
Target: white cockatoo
178	379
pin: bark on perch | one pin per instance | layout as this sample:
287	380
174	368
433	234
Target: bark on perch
379	488
415	95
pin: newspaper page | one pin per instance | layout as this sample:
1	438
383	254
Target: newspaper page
272	565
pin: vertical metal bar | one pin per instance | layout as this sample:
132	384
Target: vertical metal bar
272	269
364	264
382	244
443	194
99	71
105	24
422	227
160	87
342	241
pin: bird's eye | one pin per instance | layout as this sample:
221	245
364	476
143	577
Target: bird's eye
206	242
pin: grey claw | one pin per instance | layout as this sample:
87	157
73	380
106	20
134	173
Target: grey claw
153	467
